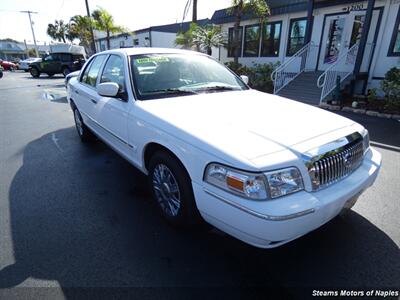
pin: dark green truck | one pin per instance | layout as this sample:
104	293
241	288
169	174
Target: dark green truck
57	63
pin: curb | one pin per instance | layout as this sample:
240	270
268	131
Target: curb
371	113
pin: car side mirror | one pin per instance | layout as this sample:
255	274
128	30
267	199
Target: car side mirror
245	79
108	89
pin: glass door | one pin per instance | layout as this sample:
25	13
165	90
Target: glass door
333	40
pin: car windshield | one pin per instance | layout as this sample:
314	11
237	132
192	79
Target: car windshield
168	75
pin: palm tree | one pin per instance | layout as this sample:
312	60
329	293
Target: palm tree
207	37
58	31
258	8
185	38
80	28
104	21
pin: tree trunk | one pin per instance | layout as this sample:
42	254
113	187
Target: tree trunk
108	40
236	36
194	15
63	38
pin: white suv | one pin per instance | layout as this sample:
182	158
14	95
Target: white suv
260	167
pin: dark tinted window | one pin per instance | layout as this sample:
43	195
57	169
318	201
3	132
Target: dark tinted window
297	33
65	57
114	72
231	42
271	36
56	56
394	48
92	71
251	40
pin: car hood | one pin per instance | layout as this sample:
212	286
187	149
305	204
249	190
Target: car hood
248	123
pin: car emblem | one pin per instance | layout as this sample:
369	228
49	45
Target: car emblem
347	160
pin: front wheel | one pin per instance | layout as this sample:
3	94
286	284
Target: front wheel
84	133
66	71
172	190
35	72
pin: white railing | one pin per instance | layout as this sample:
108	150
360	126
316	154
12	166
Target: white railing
343	67
292	67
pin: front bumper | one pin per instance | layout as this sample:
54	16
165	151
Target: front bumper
268	224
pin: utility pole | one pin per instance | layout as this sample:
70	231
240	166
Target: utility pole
33	32
194	15
93	45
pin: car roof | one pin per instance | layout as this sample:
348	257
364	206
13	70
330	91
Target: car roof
148	50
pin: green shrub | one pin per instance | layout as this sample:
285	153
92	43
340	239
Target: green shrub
391	86
259	75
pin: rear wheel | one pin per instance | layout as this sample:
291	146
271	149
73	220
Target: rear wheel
172	190
84	133
34	72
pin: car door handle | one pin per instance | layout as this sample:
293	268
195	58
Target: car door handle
76	92
94	101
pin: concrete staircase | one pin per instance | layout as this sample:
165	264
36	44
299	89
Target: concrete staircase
303	88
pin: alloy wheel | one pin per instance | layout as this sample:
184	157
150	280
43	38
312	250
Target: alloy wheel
166	189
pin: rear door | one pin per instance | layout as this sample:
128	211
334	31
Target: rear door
112	112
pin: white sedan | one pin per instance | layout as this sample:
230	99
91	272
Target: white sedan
259	167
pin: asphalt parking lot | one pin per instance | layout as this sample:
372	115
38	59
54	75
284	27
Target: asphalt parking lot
74	216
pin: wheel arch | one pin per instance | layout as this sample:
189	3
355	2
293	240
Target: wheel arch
154	147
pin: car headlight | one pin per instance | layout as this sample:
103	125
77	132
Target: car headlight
285	181
257	186
365	136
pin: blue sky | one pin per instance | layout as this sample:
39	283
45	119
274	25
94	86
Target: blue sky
133	14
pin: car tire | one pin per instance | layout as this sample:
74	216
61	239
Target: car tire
34	72
66	71
84	132
172	190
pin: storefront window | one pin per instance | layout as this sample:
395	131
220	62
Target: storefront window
252	40
394	49
297	33
231	44
271	37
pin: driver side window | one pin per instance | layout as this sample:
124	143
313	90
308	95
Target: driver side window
114	72
48	58
92	70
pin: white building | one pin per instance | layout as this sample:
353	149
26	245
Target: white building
155	36
356	40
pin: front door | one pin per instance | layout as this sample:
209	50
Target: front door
112	112
342	32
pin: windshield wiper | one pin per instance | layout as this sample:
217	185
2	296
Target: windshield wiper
171	91
219	88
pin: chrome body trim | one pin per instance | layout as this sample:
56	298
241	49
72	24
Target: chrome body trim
257	214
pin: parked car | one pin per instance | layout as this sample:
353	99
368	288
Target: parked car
69	76
8	65
24	64
259	167
57	63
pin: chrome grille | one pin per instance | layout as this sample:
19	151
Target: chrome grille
335	165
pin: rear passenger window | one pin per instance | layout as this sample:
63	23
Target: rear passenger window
91	72
65	57
114	72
